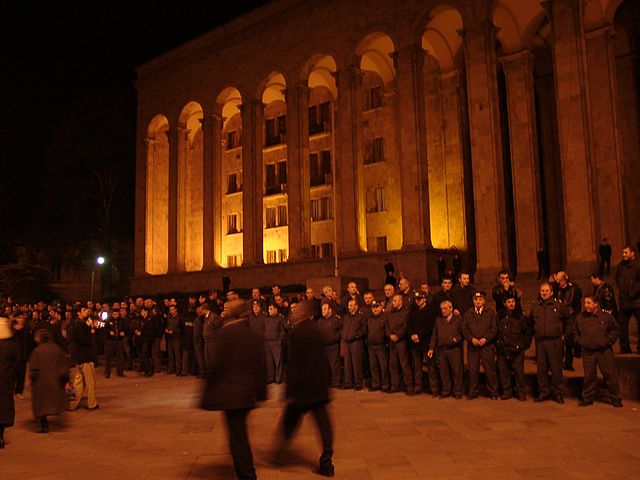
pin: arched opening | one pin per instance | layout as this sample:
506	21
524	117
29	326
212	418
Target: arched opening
380	190
190	189
322	98
627	53
274	159
446	113
229	226
157	197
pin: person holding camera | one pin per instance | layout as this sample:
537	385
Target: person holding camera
83	357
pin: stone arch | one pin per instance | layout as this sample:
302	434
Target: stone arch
319	71
157	197
272	88
375	53
190	188
441	38
598	13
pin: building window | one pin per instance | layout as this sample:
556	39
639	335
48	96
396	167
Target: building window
232	224
235	183
282	216
373	98
282	255
321	209
233	139
315	251
320	118
377	244
270	217
275	130
234	260
327	250
375	151
275	177
376	200
320	166
271	256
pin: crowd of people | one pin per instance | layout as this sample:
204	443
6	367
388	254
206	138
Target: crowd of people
407	340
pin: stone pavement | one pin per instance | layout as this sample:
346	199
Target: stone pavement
151	428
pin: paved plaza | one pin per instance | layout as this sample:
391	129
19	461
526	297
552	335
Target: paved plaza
151	428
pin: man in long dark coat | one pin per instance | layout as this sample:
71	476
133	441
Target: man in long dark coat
48	372
308	381
9	355
236	381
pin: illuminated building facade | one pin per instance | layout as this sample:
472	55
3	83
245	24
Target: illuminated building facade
388	129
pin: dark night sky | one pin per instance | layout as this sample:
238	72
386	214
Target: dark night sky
60	62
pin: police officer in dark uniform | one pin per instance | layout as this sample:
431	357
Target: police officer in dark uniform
173	331
462	293
597	331
353	332
273	340
330	326
446	343
570	294
512	340
114	334
419	328
398	346
550	323
604	295
479	329
377	346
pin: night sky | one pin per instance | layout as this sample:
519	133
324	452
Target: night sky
68	112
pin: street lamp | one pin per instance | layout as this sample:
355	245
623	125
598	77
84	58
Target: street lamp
99	261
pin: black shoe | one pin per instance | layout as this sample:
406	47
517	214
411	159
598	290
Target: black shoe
43	429
394	390
472	396
569	368
435	395
445	395
409	393
417	391
541	398
617	403
494	397
358	387
559	399
585	403
373	389
120	374
625	350
325	471
1	442
505	397
458	396
522	398
107	375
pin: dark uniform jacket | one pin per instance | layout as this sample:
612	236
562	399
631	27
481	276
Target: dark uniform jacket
606	298
628	280
256	323
447	333
81	346
330	329
353	327
308	372
344	304
421	323
571	297
596	331
376	329
549	319
236	375
479	326
441	296
274	328
513	334
499	295
174	323
115	326
397	322
186	340
462	298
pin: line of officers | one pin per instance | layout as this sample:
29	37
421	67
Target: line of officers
388	346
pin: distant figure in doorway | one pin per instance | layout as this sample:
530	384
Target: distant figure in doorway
604	252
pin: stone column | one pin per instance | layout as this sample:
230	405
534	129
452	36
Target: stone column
568	49
218	190
454	168
252	188
184	153
485	132
414	185
627	72
176	145
211	138
606	153
298	164
523	141
142	210
350	209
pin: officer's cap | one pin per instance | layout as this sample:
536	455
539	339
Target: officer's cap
479	294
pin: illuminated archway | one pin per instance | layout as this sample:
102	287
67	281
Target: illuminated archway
157	197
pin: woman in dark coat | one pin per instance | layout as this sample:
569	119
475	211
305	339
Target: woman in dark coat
236	381
9	355
48	372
